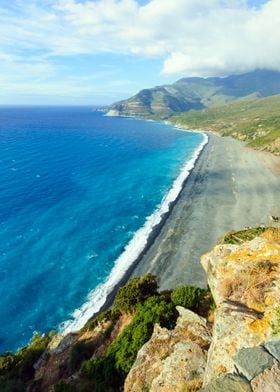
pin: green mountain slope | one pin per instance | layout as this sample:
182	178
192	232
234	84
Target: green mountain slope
255	121
197	93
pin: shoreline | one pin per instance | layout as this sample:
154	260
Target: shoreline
231	187
214	188
102	296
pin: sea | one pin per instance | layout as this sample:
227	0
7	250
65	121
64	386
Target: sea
80	194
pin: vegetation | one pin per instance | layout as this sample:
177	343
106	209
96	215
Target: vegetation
108	315
17	369
136	291
188	297
62	386
199	93
238	237
121	354
124	349
275	326
138	300
256	121
80	352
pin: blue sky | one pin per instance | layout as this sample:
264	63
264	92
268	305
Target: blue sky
100	51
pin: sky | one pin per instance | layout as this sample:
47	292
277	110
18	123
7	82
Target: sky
74	52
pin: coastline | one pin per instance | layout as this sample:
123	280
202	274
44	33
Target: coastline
103	295
231	187
213	200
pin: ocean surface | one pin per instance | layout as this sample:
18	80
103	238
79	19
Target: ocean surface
79	194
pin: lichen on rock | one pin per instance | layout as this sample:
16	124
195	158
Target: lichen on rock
244	281
171	360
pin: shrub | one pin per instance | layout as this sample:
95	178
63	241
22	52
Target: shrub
11	385
238	237
108	373
103	373
81	351
125	348
62	386
135	291
29	355
107	315
8	362
188	297
17	369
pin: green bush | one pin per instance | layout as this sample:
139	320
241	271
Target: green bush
111	370
107	315
11	385
125	348
103	373
62	386
29	355
81	351
135	291
8	362
188	297
17	369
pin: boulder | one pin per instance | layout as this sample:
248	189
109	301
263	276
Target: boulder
228	383
244	281
250	362
172	360
268	380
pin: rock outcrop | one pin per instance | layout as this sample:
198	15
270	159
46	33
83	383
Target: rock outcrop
245	283
172	359
244	354
240	352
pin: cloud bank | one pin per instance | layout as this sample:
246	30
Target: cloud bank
188	37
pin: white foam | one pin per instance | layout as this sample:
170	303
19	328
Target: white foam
97	297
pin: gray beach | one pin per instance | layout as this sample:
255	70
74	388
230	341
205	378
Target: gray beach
231	187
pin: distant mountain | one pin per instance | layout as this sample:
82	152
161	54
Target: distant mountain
197	93
255	121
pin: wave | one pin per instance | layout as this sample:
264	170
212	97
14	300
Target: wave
97	297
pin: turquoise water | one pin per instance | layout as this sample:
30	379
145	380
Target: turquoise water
75	187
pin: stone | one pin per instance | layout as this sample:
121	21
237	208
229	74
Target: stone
273	347
228	383
172	359
268	380
252	361
186	363
243	281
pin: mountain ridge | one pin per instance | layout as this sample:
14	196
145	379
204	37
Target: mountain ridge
196	93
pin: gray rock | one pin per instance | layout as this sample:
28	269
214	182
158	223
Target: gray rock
228	383
252	361
273	347
268	381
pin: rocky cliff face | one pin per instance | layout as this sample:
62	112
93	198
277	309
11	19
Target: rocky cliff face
245	283
244	352
240	351
172	360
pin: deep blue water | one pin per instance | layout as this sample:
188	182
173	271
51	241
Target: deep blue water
74	188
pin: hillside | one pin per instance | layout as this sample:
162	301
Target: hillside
158	342
197	93
255	121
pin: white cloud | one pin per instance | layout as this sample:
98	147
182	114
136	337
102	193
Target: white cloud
191	37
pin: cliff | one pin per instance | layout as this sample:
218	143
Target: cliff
172	341
244	350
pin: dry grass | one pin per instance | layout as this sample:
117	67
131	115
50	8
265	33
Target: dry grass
272	234
250	285
192	386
